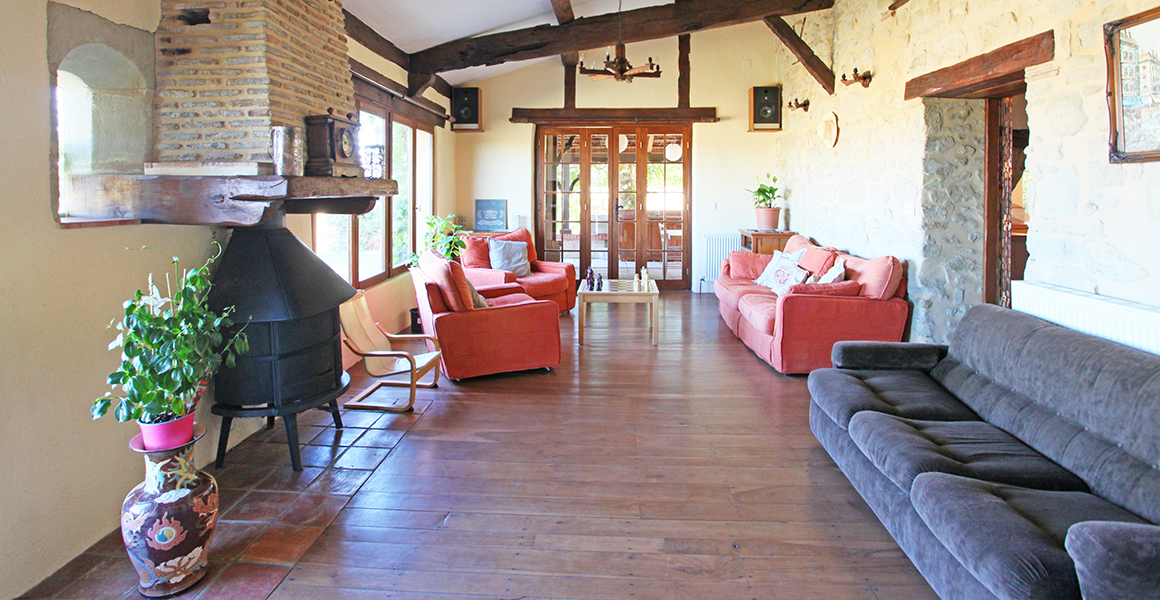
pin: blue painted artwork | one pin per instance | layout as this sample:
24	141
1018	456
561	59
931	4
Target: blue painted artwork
491	215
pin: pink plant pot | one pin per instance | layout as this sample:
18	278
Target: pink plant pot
768	218
167	435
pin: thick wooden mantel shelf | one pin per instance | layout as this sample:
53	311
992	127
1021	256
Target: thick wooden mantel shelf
235	201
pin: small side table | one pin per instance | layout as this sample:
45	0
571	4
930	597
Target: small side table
764	242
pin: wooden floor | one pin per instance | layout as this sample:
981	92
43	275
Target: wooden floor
686	470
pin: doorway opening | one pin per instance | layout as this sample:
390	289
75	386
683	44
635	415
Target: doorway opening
616	199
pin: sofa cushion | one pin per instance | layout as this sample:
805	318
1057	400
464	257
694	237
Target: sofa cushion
817	260
842	288
747	265
781	272
902	449
1010	538
520	235
476	254
760	310
543	284
509	256
879	276
448	275
730	290
913	394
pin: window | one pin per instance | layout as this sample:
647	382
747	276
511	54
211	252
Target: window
373	247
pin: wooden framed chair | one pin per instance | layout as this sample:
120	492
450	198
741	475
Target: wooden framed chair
367	339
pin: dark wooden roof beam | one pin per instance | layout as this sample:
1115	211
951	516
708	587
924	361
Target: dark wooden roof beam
803	52
654	22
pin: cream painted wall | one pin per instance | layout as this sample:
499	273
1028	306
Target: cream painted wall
64	476
1090	221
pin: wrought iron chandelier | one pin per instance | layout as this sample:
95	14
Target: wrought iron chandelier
619	68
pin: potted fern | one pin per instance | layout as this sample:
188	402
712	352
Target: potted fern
171	347
767	202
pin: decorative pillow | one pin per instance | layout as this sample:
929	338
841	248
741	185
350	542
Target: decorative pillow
816	260
744	264
781	273
479	301
475	255
520	235
879	277
509	256
835	274
842	288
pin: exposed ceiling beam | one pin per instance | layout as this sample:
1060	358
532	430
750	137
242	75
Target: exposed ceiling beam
897	4
368	37
803	52
639	25
563	10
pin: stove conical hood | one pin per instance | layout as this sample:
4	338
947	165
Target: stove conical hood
270	275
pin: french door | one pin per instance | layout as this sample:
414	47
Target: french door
615	199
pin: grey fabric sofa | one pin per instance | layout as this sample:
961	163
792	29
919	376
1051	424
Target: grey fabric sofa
1021	461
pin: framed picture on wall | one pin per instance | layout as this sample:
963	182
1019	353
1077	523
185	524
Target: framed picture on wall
1133	50
491	215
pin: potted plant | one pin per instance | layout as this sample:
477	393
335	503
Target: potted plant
171	347
443	237
767	202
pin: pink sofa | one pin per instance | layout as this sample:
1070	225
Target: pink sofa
515	333
549	280
795	332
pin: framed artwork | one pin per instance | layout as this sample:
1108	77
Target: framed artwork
491	215
1133	50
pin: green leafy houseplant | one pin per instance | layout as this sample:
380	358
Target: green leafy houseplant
766	196
171	346
443	237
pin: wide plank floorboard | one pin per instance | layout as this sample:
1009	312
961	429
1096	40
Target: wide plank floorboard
684	471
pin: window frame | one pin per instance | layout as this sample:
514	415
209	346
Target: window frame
365	104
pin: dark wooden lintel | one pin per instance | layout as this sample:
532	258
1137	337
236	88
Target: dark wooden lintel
683	77
654	22
570	61
614	115
363	73
997	71
803	52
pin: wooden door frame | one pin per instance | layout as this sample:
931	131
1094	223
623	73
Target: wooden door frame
588	129
992	76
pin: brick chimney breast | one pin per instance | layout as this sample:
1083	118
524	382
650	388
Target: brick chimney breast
228	70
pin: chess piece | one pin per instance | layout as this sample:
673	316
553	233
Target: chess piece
636	283
599	281
590	280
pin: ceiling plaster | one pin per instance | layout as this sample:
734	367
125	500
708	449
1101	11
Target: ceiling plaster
415	25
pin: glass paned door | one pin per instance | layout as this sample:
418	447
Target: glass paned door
615	200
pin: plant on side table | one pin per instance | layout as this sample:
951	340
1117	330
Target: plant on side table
171	347
768	203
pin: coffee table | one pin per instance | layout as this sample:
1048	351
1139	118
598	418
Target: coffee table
620	291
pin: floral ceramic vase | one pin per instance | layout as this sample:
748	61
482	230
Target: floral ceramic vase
167	521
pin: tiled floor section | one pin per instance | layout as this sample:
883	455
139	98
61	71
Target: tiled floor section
630	472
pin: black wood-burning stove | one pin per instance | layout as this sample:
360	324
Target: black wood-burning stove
287	300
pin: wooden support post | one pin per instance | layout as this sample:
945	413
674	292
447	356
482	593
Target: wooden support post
417	83
570	60
683	83
803	52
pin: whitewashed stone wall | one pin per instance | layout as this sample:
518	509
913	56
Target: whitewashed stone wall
1091	222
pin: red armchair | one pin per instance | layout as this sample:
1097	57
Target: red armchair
514	333
553	281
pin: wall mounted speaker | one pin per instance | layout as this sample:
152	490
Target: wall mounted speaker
765	108
465	109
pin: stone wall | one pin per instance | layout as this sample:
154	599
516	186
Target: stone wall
221	84
948	278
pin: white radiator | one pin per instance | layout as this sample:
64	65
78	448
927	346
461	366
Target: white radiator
1128	323
717	248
